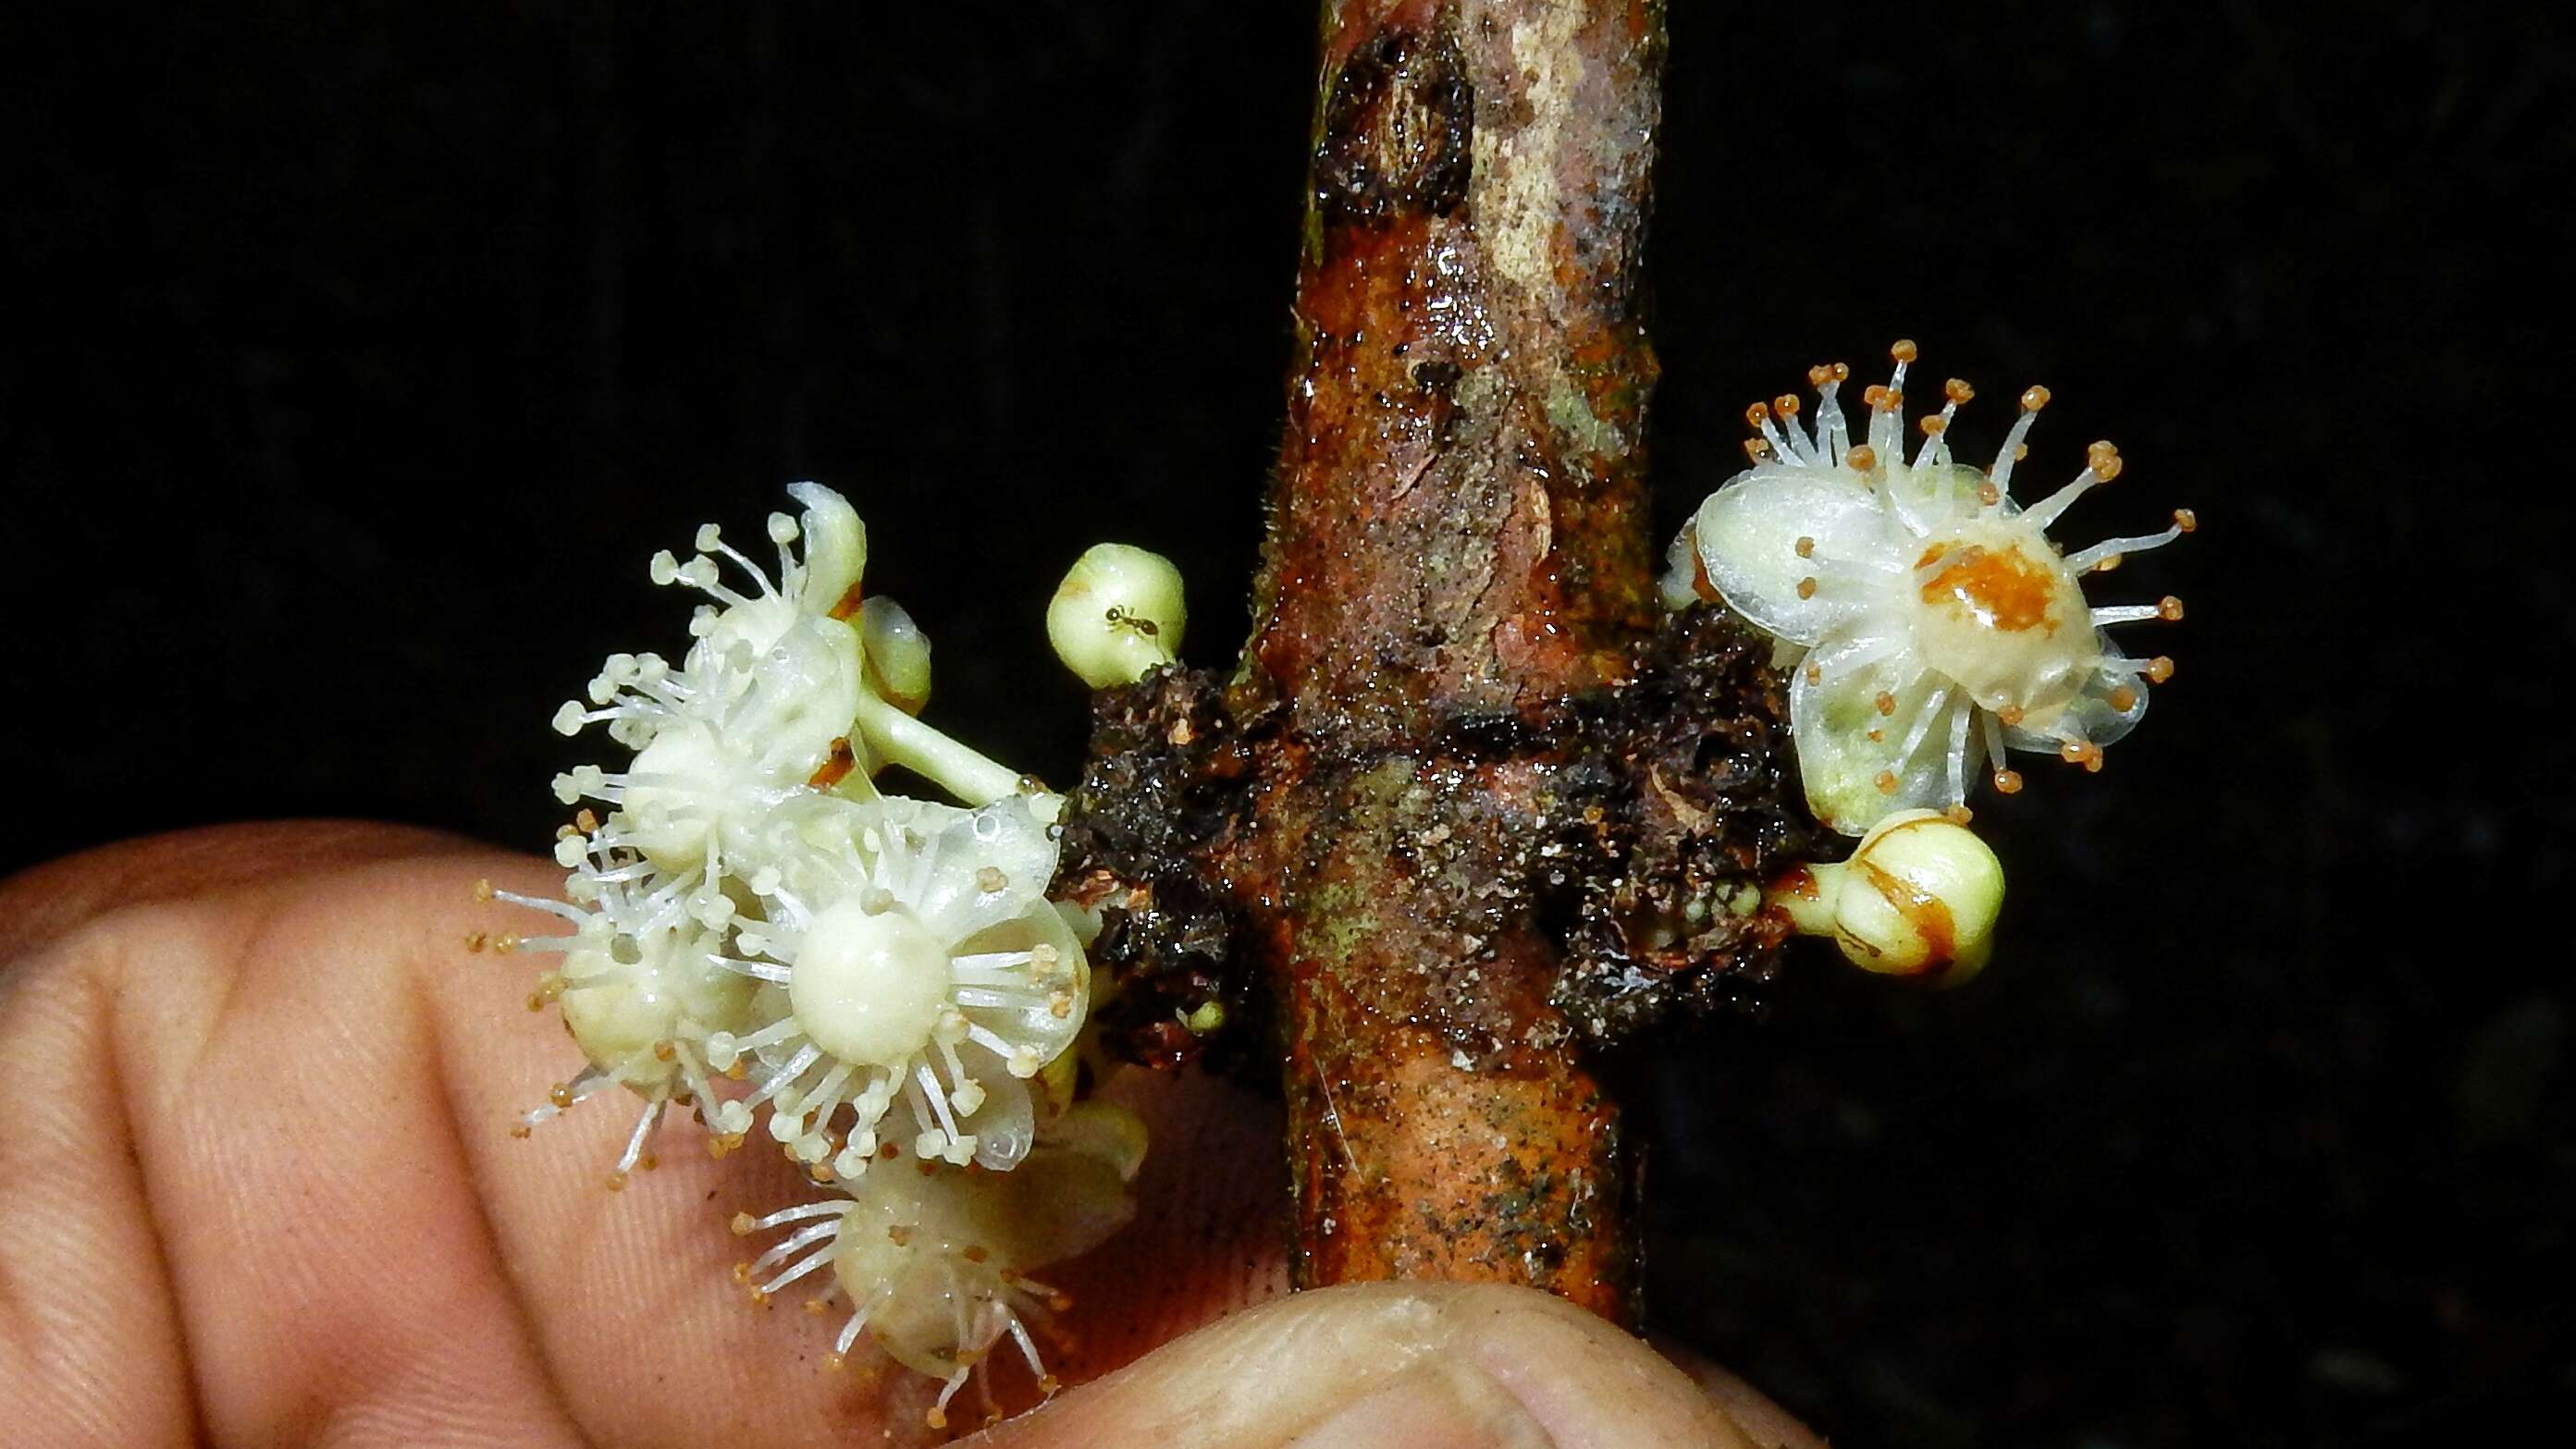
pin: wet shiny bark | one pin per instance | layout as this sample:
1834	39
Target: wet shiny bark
1458	551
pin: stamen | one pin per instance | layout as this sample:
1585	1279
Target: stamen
2106	555
1962	715
2006	781
2046	511
793	1244
744	1224
645	1125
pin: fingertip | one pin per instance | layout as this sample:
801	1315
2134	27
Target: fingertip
1477	1363
1207	1239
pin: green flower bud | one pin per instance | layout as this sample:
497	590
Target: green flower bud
1919	897
1117	616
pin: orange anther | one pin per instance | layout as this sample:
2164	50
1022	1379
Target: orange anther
1957	390
1886	782
2034	398
1806	588
1785	405
2007	782
1862	456
2160	669
1885	703
2186	520
1902	350
1806	547
2169	609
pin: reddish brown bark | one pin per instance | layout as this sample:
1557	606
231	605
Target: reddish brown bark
1458	550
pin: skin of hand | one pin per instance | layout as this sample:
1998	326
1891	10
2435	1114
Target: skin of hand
259	1189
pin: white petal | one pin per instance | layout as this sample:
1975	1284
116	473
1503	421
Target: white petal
1677	585
836	547
1832	721
804	694
1005	838
1036	1025
1937	496
2090	715
1749	531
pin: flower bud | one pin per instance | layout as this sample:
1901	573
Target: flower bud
898	654
1918	897
1117	616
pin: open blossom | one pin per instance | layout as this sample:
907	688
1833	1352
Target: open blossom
933	1260
762	705
915	975
755	929
1928	621
641	990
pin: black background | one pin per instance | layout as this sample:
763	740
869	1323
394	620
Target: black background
360	355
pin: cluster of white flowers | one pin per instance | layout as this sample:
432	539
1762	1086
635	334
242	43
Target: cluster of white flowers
884	977
1928	622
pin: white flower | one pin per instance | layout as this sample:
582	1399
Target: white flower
933	1261
1930	622
640	990
917	978
888	973
762	708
